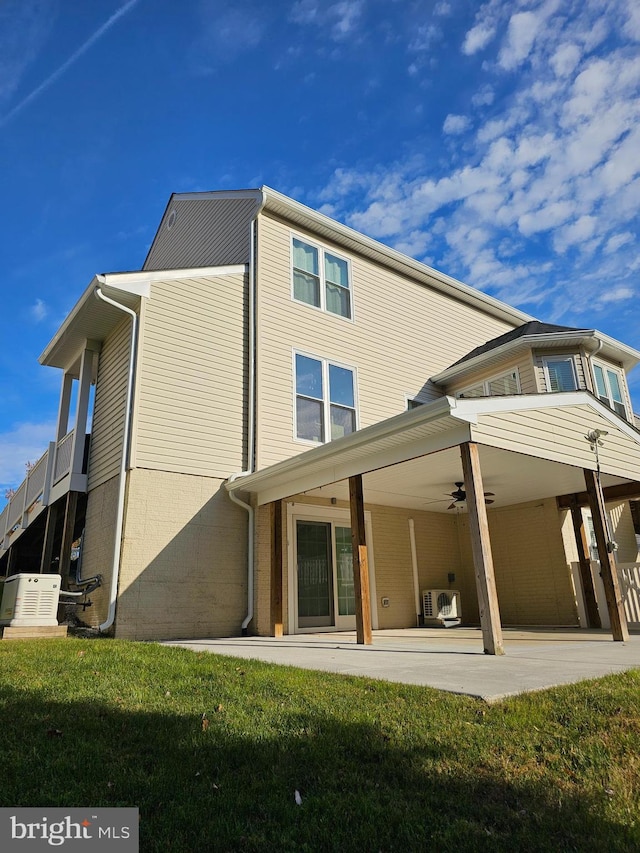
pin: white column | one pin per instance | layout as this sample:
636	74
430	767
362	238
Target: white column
82	409
63	408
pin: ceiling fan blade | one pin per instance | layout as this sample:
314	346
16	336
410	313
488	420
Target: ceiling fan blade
489	494
489	502
451	506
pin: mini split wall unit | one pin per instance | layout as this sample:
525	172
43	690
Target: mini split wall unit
441	608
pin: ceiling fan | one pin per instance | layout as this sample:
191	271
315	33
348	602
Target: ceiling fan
460	496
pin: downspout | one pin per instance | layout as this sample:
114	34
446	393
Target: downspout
251	417
115	568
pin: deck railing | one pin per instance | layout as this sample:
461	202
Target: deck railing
630	589
31	490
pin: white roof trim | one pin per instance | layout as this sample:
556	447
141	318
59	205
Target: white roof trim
139	277
628	356
332	462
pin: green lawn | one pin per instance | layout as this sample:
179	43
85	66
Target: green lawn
213	749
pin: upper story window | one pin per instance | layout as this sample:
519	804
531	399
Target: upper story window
609	388
321	279
505	385
560	373
325	399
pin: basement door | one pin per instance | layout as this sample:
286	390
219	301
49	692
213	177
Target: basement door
324	572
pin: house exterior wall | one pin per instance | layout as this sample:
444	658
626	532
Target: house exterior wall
401	334
184	562
205	233
533	578
190	413
107	429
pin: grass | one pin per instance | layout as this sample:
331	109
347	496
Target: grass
213	749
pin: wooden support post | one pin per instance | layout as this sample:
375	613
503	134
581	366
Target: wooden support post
49	535
608	569
591	606
360	562
67	533
481	547
276	569
12	559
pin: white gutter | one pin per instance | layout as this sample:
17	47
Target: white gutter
251	419
115	569
414	566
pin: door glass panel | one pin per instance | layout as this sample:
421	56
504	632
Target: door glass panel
315	591
344	571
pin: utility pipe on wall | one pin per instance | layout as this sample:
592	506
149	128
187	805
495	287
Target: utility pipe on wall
115	567
414	565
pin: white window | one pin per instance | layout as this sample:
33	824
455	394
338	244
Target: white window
560	373
325	399
321	278
609	388
505	385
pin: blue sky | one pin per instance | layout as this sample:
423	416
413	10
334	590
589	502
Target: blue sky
498	142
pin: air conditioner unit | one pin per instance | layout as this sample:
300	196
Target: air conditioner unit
30	600
441	607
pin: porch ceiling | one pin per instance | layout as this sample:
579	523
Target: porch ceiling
531	447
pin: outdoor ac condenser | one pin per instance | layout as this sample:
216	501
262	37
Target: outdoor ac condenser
441	607
30	600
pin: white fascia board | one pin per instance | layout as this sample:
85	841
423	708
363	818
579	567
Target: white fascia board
465	292
475	407
139	281
629	356
327	453
69	319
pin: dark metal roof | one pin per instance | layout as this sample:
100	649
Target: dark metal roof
533	327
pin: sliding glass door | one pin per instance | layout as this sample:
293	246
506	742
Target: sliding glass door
325	588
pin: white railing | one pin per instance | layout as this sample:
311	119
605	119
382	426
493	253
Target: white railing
16	513
63	456
630	590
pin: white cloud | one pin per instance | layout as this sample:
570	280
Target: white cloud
617	241
523	29
346	15
25	442
39	311
24	28
565	59
617	294
578	232
455	125
340	18
484	98
478	38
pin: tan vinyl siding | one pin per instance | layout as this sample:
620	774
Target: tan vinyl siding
190	413
558	435
522	363
184	559
206	233
107	428
402	333
533	577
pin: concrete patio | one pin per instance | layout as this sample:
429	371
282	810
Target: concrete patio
447	659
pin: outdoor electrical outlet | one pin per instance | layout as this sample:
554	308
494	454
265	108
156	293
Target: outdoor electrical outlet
452	578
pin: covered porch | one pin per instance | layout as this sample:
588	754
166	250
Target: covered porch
542	457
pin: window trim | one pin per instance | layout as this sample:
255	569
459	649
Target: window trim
322	250
486	382
326	401
547	377
621	381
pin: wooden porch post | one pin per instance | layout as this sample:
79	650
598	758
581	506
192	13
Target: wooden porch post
276	569
608	568
360	561
481	546
591	606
